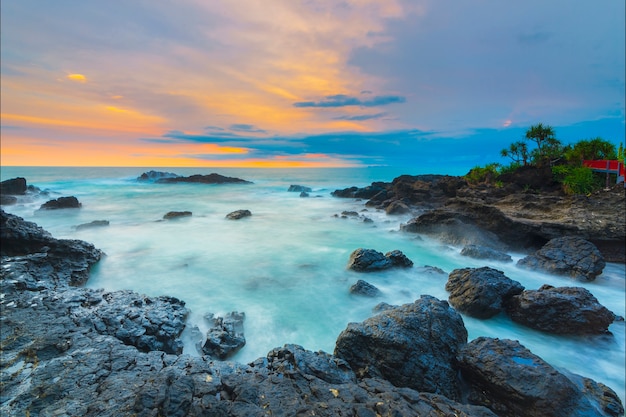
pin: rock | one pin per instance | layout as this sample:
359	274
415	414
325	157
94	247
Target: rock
365	192
95	223
364	288
61	203
304	194
413	346
480	292
238	214
397	207
204	179
562	310
225	335
176	214
571	256
14	186
506	377
7	200
399	259
483	252
299	189
369	260
156	175
346	213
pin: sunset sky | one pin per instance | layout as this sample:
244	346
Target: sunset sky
285	83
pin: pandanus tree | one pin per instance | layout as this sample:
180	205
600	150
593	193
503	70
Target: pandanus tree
549	148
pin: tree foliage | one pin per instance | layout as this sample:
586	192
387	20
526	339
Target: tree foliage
596	148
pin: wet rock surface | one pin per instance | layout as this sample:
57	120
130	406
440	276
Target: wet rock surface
212	178
370	260
238	214
365	289
225	336
61	203
170	215
560	310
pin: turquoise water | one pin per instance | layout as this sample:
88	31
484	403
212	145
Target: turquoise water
285	266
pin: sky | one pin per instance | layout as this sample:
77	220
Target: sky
309	83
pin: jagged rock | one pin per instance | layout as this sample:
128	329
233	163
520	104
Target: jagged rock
156	175
7	200
397	207
364	288
225	335
204	179
483	252
304	194
480	292
369	260
61	203
399	259
506	377
238	214
365	192
176	214
562	310
413	346
570	255
13	186
299	189
95	223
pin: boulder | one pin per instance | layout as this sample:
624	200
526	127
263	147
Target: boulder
238	214
90	225
7	200
304	194
365	289
299	188
176	214
413	346
510	380
61	203
483	252
399	259
204	179
480	292
14	186
156	175
225	335
562	310
369	260
571	256
397	207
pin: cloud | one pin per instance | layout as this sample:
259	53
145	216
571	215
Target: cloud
342	100
80	78
240	127
360	117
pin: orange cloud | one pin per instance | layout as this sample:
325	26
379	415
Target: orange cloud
77	77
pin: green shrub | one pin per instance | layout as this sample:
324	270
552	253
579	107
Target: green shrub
577	180
486	174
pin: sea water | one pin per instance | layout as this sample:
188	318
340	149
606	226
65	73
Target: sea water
285	266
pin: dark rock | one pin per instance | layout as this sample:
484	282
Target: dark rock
399	259
304	194
480	292
225	335
365	192
483	252
413	346
364	288
299	188
238	214
7	200
570	255
176	214
205	179
562	310
382	307
95	223
156	175
61	203
368	260
506	377
397	207
345	193
14	186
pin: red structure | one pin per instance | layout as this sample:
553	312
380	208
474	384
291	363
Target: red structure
607	166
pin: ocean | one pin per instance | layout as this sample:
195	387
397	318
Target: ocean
285	266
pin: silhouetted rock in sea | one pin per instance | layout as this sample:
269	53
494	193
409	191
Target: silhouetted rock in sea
93	224
204	179
365	289
299	188
369	260
170	215
14	186
156	175
61	203
238	214
68	350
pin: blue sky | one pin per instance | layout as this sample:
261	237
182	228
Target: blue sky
304	83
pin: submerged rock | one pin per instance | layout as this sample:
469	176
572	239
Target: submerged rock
483	252
95	223
176	214
480	292
238	214
413	346
299	189
61	203
572	256
369	260
204	179
506	377
562	310
364	288
156	175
